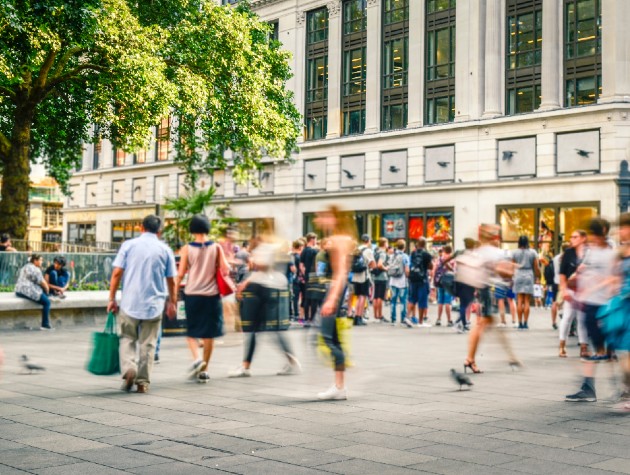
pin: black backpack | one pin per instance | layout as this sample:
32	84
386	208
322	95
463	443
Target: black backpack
417	271
359	263
550	273
376	271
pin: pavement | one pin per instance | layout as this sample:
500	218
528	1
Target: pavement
404	414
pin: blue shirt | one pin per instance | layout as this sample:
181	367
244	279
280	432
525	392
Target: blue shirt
146	262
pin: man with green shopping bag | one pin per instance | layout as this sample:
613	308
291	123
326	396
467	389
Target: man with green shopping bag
146	267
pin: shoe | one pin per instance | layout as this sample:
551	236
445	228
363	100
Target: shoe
450	323
240	372
595	358
333	394
515	325
291	368
53	298
516	365
520	326
501	325
622	407
562	353
195	369
586	394
438	323
385	320
473	367
459	328
414	320
48	329
554	326
156	358
525	326
408	323
203	377
129	377
62	296
425	324
142	388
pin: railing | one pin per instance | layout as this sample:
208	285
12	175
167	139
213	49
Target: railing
89	247
46	195
85	270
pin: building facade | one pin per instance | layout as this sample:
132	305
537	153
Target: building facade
424	117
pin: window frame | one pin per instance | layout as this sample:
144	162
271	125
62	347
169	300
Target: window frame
353	40
316	98
163	139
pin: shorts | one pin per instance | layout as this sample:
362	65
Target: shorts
380	288
443	297
488	303
419	294
553	288
362	288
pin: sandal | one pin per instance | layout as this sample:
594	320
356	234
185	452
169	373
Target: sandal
473	367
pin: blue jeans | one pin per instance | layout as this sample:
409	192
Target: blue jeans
57	280
398	293
44	301
466	295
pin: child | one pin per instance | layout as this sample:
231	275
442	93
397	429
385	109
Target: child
538	290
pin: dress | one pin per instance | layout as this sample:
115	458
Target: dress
524	275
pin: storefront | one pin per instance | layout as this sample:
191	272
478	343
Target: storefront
123	230
546	225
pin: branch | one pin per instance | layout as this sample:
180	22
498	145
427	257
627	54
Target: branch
73	73
5	147
7	92
65	58
45	69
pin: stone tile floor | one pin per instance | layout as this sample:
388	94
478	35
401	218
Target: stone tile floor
404	415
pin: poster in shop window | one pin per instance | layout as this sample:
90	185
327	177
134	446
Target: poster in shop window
439	227
416	226
394	226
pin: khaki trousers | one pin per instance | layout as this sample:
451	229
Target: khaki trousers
138	337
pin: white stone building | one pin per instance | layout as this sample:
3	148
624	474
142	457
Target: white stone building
424	117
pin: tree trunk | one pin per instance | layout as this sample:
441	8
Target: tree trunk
16	179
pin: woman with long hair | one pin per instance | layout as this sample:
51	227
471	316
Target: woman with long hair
338	226
526	272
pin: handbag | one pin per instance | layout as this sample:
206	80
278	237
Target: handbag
224	283
105	359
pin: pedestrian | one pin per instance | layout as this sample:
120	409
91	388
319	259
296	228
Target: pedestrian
379	275
146	267
241	262
297	283
339	226
57	277
201	260
527	271
445	264
420	263
31	285
464	288
362	263
398	270
307	268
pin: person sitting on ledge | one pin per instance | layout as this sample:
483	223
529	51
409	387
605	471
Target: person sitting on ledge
31	285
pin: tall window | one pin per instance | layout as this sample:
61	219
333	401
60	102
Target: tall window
523	56
582	51
275	30
163	139
395	64
119	157
140	156
98	144
316	110
440	61
354	66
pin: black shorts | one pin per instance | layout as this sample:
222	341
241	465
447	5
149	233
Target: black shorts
380	288
362	288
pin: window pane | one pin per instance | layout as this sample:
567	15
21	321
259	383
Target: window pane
517	222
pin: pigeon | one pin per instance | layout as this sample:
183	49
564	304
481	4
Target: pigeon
349	174
508	154
583	153
394	169
311	176
265	176
443	164
30	367
461	379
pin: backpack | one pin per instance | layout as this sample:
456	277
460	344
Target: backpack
377	256
417	272
439	273
396	267
359	264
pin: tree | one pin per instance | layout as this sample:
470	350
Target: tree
123	65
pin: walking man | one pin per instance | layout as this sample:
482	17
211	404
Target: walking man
146	267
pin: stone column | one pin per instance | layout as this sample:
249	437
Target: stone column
334	69
493	49
615	52
300	64
415	71
469	53
373	73
551	56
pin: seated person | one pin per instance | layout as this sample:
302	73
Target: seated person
57	277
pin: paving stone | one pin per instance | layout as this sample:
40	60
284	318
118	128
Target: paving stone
382	455
30	458
566	456
612	450
539	439
464	454
129	438
41	419
365	467
119	457
463	440
457	467
529	465
224	463
621	465
82	468
383	440
6	470
301	456
230	445
10	445
62	443
384	427
174	468
269	466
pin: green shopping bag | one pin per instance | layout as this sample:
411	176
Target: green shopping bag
105	359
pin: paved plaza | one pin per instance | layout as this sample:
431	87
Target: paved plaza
404	414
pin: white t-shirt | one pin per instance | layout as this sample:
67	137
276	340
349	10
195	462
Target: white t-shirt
598	265
537	291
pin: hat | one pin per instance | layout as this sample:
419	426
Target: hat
365	237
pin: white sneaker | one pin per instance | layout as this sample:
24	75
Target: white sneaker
407	322
333	394
514	325
240	372
425	325
501	325
196	368
289	369
458	327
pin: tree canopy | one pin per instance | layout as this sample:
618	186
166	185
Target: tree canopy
123	65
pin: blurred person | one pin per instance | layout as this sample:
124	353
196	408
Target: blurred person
146	267
339	227
379	275
307	267
58	277
420	263
5	244
265	302
571	309
241	262
398	270
527	271
445	263
538	294
318	279
32	285
465	291
201	260
494	269
595	280
362	263
298	283
552	279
